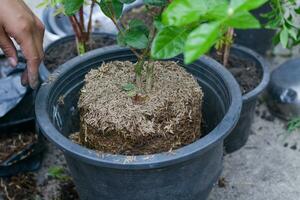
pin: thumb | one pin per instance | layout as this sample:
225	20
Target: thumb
8	48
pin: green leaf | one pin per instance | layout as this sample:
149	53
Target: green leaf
72	6
246	5
111	8
184	12
284	37
136	39
43	4
121	40
243	20
293	33
156	2
168	42
127	1
201	40
128	87
139	25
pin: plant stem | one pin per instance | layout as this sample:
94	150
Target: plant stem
81	16
227	47
89	28
149	77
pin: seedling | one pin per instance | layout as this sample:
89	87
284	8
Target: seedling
293	125
74	10
191	27
58	173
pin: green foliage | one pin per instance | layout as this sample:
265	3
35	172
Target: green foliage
111	8
285	17
169	42
69	7
58	173
293	125
156	2
206	22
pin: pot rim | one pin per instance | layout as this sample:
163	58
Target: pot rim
141	161
263	64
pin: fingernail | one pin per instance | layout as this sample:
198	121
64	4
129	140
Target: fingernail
12	61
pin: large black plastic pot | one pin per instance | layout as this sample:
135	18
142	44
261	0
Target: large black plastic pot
239	136
44	72
260	40
184	174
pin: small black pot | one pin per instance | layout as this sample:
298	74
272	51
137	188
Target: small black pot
260	40
44	71
184	174
239	136
29	158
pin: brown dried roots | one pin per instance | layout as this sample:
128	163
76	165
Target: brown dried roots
111	122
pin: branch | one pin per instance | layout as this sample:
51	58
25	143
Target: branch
81	16
89	28
76	27
229	37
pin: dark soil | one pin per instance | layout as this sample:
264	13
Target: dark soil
222	183
112	122
141	13
12	143
65	51
20	187
245	72
68	191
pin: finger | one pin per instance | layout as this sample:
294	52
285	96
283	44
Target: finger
33	58
39	37
24	78
8	48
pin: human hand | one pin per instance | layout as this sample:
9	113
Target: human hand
17	21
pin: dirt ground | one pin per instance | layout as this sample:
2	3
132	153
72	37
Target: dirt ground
267	168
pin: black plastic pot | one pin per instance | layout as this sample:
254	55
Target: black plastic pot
260	40
239	136
44	72
27	159
184	174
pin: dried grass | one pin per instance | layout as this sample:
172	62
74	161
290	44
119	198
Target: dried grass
112	122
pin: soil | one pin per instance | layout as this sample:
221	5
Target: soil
68	191
65	51
22	186
12	143
139	12
112	122
245	72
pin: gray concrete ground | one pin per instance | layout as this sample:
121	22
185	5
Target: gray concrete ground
267	168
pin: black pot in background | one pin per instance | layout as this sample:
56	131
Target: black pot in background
239	136
260	40
188	173
27	159
44	72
